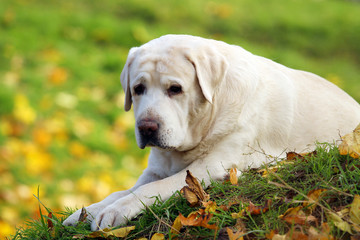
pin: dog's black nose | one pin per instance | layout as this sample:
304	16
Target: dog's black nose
148	128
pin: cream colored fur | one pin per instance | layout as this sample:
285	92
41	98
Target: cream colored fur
233	106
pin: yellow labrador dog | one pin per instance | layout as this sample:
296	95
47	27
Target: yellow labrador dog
207	106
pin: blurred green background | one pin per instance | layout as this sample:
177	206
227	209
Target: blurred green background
62	124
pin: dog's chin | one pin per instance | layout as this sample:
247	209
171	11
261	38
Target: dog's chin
154	143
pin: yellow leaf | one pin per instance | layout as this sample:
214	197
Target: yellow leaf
355	210
210	206
351	143
23	111
233	176
314	197
106	232
158	236
339	222
175	228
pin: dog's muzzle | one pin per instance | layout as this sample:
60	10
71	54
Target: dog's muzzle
149	132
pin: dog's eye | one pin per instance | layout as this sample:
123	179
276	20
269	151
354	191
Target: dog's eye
139	89
174	90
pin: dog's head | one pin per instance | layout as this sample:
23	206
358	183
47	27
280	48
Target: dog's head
170	81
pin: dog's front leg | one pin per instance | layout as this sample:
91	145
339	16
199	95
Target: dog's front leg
130	205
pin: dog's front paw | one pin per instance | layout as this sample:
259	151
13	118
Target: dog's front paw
91	212
111	216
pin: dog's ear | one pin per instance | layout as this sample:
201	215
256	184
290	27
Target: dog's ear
210	66
125	79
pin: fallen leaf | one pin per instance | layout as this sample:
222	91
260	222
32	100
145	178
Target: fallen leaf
233	176
198	218
339	222
290	156
175	228
350	144
193	189
297	216
268	171
271	234
257	210
190	196
158	236
323	234
49	222
234	236
83	215
107	232
355	210
314	196
210	206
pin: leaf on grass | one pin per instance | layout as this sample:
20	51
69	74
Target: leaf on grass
323	234
253	210
290	156
351	143
337	220
49	222
158	236
233	176
193	189
83	215
355	211
314	196
268	171
108	232
190	196
210	206
175	228
198	218
297	216
234	236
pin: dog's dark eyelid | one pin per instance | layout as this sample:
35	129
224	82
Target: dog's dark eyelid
139	89
174	90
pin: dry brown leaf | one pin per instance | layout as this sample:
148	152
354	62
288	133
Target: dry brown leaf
297	216
351	143
271	234
190	196
314	196
193	189
158	236
198	218
49	222
268	171
234	236
233	176
83	215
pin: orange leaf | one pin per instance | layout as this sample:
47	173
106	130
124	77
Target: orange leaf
49	222
234	236
297	216
210	206
256	210
199	218
233	176
58	76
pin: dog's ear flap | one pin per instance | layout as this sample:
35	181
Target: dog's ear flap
125	79
210	66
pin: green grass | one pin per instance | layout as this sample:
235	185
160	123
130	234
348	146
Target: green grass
89	41
287	188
